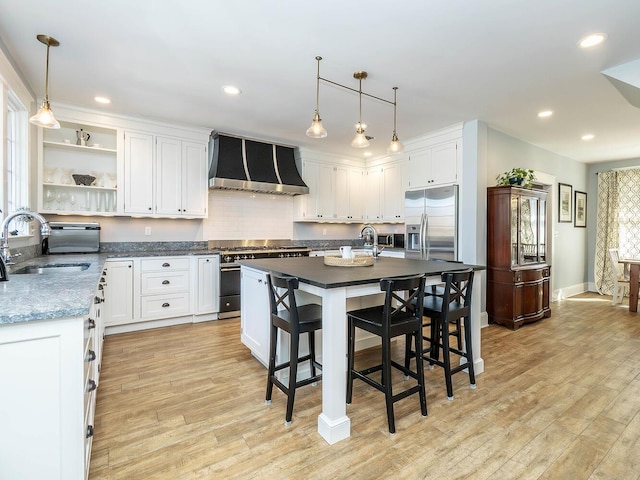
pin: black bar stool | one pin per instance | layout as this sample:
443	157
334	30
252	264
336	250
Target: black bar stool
389	321
444	310
295	320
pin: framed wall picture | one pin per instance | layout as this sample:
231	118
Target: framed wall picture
565	196
580	209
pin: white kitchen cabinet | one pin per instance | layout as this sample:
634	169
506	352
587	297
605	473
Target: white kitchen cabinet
435	165
60	158
118	292
319	203
254	317
48	384
393	192
208	300
335	193
349	183
164	176
165	289
181	178
385	193
138	173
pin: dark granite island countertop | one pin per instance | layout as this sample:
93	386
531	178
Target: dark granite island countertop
313	271
335	285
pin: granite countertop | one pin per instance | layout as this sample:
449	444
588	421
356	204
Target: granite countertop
313	271
32	297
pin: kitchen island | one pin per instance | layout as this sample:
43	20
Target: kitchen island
334	285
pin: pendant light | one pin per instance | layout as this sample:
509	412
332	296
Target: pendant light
395	146
44	117
360	140
316	130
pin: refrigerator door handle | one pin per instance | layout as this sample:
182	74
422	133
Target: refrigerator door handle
426	237
423	237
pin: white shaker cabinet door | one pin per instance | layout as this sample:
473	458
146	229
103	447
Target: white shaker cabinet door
195	188
118	292
138	171
255	313
169	176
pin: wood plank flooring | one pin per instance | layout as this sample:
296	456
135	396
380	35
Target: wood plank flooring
559	399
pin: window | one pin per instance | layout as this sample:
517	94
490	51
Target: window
15	161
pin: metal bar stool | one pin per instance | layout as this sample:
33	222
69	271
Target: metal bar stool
396	317
295	320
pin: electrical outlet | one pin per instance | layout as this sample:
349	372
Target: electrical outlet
147	230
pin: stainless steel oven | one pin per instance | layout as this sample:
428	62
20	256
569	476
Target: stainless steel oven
229	290
232	251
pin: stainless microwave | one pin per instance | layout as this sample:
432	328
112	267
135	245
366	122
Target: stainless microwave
391	240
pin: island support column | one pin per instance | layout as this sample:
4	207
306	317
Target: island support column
333	423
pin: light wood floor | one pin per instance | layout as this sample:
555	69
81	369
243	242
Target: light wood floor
559	399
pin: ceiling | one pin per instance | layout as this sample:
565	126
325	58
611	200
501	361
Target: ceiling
500	61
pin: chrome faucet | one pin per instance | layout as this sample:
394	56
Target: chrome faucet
5	253
367	231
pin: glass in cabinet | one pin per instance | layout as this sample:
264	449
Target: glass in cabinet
78	171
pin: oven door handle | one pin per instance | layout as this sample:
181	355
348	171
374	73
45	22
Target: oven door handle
234	268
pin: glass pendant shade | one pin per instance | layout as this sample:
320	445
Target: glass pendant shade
44	117
316	130
395	146
360	140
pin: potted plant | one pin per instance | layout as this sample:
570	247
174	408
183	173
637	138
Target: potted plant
517	176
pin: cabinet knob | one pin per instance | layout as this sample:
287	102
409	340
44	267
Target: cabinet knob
89	431
91	386
91	356
166	264
166	282
165	305
149	208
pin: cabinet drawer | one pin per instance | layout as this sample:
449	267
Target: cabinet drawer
164	282
164	264
164	306
528	275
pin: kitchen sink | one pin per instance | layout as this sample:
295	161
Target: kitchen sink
54	269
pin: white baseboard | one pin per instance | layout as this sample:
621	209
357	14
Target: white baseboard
147	325
484	319
569	291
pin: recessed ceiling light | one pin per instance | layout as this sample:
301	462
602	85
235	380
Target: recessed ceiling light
592	40
104	100
231	90
588	136
545	113
367	154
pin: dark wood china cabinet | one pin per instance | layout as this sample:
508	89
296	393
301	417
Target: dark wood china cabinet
518	275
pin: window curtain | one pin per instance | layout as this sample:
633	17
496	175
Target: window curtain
617	222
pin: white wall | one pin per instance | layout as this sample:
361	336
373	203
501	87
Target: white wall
569	259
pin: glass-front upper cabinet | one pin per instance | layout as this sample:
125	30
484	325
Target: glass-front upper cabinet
528	228
78	171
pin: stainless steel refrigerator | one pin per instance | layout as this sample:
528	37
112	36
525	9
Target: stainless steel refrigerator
431	218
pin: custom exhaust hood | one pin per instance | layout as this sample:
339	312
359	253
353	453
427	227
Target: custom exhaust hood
238	163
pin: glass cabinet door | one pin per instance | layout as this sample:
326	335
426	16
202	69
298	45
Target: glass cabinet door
514	230
529	239
543	232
